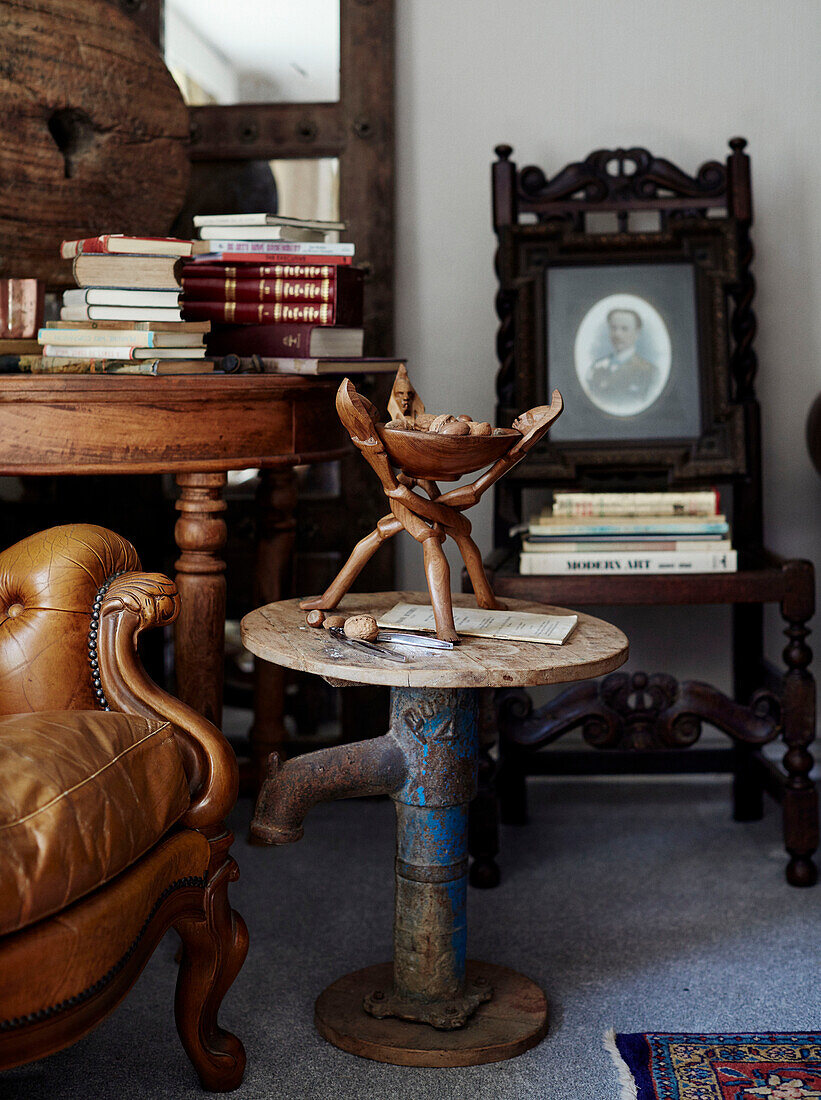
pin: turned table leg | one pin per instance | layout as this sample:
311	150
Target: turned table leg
475	1012
199	632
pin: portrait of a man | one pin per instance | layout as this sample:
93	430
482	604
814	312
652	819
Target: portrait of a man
621	345
623	377
622	354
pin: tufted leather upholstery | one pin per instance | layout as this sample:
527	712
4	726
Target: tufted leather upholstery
48	583
84	794
113	798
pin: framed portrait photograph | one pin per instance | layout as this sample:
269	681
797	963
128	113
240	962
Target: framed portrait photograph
622	346
634	330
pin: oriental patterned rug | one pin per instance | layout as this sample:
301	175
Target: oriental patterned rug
757	1066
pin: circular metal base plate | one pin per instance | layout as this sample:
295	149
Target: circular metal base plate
513	1021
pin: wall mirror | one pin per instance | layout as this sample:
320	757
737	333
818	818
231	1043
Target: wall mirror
291	109
253	51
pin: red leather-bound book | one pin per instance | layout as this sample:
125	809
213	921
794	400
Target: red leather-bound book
284	340
345	289
215	269
253	313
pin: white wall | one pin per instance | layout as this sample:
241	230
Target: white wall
556	79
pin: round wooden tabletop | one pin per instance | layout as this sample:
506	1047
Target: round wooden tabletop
278	633
130	424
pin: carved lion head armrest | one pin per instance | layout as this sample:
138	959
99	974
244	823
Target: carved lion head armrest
129	604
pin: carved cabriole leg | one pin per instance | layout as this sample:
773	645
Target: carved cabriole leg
800	797
361	554
483	816
199	635
213	950
276	529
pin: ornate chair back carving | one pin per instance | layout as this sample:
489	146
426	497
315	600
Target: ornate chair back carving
622	183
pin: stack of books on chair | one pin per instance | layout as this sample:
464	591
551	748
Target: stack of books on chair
124	317
280	290
628	534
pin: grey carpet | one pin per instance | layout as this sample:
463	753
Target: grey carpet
636	905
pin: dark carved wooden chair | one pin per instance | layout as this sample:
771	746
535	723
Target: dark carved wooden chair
112	808
644	722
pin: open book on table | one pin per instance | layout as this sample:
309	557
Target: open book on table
514	626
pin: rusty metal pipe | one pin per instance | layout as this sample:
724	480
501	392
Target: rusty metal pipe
437	729
290	789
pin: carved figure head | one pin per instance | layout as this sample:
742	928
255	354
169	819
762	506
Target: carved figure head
404	400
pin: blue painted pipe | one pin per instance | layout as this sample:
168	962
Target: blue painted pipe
437	731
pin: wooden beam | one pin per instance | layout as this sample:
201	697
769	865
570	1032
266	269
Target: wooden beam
267	131
367	170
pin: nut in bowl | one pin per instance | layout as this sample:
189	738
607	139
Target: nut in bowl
443	457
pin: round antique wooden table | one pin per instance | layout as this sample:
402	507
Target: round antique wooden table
196	427
430	1006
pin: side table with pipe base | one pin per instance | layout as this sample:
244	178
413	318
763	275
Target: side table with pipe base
430	1006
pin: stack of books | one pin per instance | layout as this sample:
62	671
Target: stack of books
125	316
629	533
278	288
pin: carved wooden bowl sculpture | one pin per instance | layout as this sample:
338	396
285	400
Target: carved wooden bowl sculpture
423	458
444	457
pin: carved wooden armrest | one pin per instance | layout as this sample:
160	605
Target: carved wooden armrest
129	604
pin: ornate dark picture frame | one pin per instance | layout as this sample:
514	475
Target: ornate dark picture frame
712	445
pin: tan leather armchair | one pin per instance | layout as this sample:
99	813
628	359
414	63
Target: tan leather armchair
112	804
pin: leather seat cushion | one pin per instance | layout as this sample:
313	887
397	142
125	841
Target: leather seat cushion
83	795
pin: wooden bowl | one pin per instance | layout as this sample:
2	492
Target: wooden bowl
443	457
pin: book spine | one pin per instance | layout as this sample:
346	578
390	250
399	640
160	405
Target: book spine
285	248
682	528
118	313
283	340
122	296
697	503
260	290
598	546
110	351
322	224
289	234
328	365
248	313
295	270
231	256
49	364
66	337
696	561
